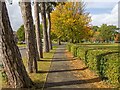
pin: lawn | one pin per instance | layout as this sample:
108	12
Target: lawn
112	46
3	82
21	45
0	80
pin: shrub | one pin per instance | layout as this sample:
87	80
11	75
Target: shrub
73	49
112	70
101	59
68	46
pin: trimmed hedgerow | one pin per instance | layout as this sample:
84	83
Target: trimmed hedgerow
112	68
106	64
103	60
69	47
73	49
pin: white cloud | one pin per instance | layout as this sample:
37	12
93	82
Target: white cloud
112	18
106	18
15	15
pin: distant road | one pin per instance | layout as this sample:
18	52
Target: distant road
23	50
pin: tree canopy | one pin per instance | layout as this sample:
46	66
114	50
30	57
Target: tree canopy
71	22
104	33
21	33
107	32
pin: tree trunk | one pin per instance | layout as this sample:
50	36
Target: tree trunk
37	27
11	57
117	38
45	35
32	52
59	42
49	30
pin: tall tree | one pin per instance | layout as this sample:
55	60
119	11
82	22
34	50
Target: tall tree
117	38
32	52
45	34
37	28
49	30
11	57
49	8
21	33
69	21
107	32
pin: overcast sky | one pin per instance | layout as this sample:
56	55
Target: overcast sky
100	12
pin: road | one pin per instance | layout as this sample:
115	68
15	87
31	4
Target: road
23	51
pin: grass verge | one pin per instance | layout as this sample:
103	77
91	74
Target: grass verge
43	68
21	45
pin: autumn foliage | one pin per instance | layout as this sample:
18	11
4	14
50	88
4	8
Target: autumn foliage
70	22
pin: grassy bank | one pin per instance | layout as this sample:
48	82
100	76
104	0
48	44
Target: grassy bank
21	45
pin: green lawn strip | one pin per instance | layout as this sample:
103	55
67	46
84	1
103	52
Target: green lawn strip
3	79
0	79
54	42
21	45
44	65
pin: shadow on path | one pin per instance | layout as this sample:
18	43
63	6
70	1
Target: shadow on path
74	82
62	70
61	75
56	60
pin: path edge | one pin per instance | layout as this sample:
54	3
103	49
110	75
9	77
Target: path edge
49	70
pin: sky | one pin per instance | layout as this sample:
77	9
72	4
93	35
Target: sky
101	12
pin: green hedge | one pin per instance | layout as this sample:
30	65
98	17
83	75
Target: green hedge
69	47
103	60
112	68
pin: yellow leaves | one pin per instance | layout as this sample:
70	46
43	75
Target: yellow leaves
69	20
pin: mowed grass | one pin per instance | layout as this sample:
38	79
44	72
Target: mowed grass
3	80
0	80
21	45
43	68
101	45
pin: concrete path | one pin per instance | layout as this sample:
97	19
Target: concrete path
61	76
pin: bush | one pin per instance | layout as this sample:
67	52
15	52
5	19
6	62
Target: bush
68	46
103	60
112	70
74	50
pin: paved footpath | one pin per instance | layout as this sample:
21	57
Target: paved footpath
60	75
